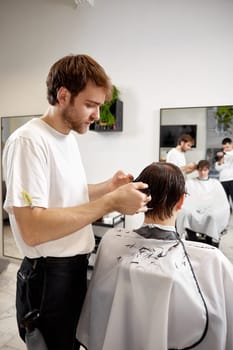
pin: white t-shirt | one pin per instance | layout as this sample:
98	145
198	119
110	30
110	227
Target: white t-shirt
176	157
43	168
226	169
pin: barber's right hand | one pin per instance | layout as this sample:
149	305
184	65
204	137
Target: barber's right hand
128	199
193	165
219	154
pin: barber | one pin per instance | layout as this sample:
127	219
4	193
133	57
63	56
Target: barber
50	205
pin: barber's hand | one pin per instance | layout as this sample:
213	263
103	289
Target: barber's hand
190	167
120	179
220	157
219	154
193	165
129	200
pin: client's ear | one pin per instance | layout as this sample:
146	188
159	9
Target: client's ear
180	202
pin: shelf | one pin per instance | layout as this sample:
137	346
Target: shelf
109	220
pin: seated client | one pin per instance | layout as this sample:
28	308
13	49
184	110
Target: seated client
150	290
206	211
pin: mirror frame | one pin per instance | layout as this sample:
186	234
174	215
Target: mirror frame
3	139
210	129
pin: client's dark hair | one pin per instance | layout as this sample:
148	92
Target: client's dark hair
203	164
167	184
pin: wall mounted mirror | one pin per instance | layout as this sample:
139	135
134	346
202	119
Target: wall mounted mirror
8	125
208	125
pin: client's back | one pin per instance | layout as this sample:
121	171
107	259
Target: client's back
152	291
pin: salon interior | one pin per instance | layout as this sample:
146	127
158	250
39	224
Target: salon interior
171	62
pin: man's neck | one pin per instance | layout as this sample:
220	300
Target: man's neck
53	119
166	222
179	148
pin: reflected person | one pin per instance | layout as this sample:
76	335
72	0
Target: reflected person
224	165
177	155
205	212
51	206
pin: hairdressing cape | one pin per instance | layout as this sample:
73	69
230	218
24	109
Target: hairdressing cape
205	209
143	296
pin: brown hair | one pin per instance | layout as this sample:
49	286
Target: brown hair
203	164
74	72
185	138
167	184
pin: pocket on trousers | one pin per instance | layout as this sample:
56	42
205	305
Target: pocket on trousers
29	289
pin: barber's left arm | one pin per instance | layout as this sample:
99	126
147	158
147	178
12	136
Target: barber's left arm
189	168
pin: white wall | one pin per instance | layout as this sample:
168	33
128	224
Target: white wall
160	53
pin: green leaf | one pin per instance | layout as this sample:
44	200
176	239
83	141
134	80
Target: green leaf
106	117
224	115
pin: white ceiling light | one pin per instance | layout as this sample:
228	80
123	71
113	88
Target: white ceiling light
78	2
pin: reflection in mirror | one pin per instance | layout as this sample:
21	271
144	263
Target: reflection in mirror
208	126
8	126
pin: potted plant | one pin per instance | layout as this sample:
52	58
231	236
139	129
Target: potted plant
224	117
111	114
107	119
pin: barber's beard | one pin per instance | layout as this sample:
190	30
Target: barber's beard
75	125
183	149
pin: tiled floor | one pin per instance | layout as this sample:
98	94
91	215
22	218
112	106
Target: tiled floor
9	339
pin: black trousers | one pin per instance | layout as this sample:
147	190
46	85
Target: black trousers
57	288
228	187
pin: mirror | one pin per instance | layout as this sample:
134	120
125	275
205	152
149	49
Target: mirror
9	125
208	126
